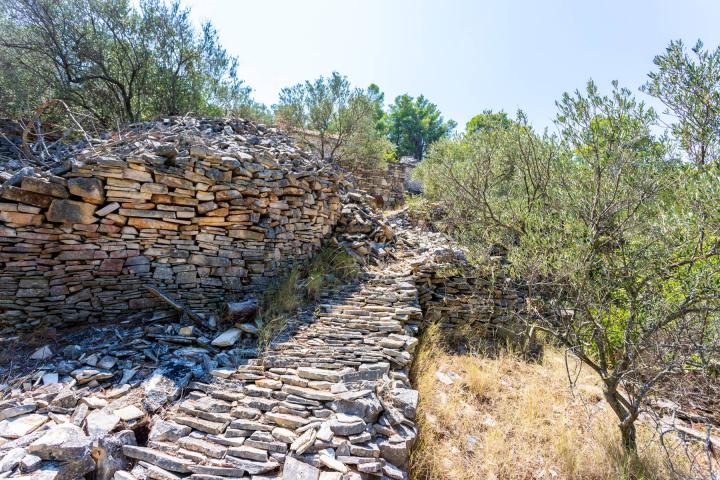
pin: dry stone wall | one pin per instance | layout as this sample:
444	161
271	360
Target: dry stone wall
390	184
198	208
455	296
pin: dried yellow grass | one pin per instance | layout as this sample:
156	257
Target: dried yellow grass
504	418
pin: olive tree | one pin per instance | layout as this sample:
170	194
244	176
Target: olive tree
688	84
119	60
628	258
341	117
616	240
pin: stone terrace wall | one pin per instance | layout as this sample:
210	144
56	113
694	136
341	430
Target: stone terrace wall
455	295
198	212
389	184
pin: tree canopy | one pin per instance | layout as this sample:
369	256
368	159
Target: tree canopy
488	120
118	61
346	120
689	86
413	124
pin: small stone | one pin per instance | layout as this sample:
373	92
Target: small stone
348	425
163	430
249	453
88	374
94	402
227	338
107	362
130	412
42	353
251	467
30	463
319	374
20	426
285	420
330	462
222	372
18	410
296	470
406	400
304	441
188	331
11	459
394	452
50	378
157	458
284	435
100	423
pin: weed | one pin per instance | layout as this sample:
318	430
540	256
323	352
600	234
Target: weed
329	268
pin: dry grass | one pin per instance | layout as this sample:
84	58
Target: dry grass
329	268
503	418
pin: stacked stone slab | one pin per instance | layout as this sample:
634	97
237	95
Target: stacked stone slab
195	207
454	296
454	292
391	183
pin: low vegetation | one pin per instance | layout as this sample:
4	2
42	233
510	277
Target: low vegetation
500	417
329	268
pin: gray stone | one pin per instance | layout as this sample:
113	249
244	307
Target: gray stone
65	442
11	459
251	467
157	458
394	452
163	430
99	423
227	338
406	400
296	470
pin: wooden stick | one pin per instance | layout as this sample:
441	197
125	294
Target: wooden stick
176	305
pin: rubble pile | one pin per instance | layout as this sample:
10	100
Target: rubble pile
361	231
20	148
194	207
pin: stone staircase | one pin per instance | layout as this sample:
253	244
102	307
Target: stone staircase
331	402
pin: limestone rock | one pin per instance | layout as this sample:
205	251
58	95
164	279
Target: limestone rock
69	211
227	338
90	189
296	470
65	442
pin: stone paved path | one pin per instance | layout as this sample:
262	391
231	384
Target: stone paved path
333	402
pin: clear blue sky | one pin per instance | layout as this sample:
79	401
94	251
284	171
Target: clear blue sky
463	55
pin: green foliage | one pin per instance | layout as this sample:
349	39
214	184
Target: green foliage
491	182
115	59
488	120
618	237
413	124
689	86
345	120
